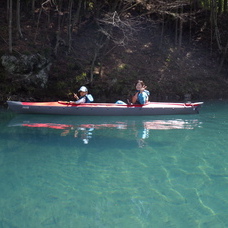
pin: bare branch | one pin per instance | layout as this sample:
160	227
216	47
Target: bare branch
119	30
48	4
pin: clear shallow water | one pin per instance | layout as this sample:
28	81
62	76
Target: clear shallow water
164	171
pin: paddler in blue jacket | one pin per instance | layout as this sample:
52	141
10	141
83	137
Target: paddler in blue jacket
84	97
142	95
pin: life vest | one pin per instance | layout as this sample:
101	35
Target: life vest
89	98
146	92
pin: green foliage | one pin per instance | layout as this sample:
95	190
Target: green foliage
90	5
221	5
122	66
81	78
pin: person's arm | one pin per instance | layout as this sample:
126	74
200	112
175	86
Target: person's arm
81	100
134	98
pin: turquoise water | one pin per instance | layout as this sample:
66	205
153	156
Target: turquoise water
163	171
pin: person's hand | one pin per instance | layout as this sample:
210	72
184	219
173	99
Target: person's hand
143	89
76	96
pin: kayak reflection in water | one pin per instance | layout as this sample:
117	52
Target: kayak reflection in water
138	130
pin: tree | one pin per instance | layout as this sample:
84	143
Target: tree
33	7
225	6
58	32
10	24
19	33
181	28
70	25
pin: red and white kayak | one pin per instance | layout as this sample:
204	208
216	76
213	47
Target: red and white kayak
104	109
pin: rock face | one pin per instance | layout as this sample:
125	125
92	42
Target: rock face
29	69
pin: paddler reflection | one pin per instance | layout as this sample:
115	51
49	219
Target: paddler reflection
85	134
85	131
141	135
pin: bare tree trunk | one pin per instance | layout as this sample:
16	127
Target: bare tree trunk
211	21
57	37
190	22
19	33
196	4
7	10
225	6
224	56
70	26
10	24
48	19
181	29
77	15
220	6
33	8
215	24
58	31
162	30
37	26
176	27
100	44
93	65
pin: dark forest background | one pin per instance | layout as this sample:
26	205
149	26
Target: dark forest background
179	47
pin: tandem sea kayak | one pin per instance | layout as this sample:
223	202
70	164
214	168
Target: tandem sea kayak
104	109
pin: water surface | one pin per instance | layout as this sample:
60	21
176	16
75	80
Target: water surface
158	171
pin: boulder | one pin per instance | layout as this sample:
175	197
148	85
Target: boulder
29	69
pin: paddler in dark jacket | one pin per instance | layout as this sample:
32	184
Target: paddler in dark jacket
84	97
